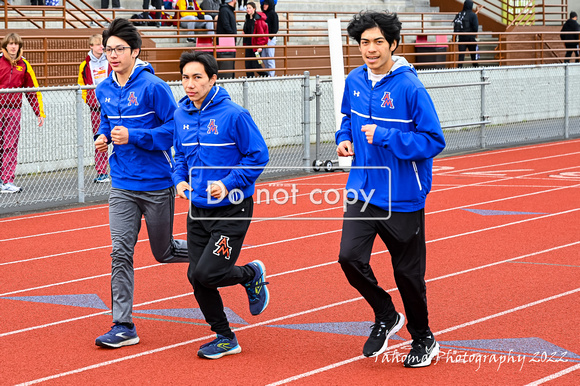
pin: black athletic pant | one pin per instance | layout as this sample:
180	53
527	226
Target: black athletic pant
470	45
213	248
253	64
572	49
404	236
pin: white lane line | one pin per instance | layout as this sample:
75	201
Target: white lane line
453	328
555	375
309	236
275	320
40	215
315	177
509	150
308	268
327	209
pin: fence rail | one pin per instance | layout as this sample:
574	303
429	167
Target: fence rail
479	108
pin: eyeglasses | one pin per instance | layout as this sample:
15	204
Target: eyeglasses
119	50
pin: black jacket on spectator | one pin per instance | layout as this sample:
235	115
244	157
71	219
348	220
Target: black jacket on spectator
570	25
226	22
272	17
470	22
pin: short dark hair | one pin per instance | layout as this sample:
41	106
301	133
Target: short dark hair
386	21
573	15
123	29
205	58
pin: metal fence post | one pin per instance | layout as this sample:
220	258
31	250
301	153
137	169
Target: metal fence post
483	113
317	94
245	97
80	147
306	122
566	102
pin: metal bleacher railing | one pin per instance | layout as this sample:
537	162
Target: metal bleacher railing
56	40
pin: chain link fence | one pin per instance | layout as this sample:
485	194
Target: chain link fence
479	108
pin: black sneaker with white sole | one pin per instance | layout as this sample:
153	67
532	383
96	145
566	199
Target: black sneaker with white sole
422	352
378	340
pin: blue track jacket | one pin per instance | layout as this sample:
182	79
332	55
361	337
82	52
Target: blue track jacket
145	106
210	140
407	137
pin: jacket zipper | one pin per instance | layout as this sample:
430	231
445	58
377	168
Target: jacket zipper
417	175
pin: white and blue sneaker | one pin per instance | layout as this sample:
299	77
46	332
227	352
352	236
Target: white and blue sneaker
9	187
102	178
119	336
258	294
219	347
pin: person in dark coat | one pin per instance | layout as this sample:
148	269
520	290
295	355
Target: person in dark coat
470	24
571	39
269	9
226	22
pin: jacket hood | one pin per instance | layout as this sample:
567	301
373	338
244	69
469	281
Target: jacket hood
93	58
401	65
139	66
468	5
8	58
271	3
215	95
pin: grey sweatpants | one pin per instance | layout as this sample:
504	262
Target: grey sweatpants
126	207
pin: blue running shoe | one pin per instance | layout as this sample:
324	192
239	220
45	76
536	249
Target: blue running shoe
219	347
258	294
119	336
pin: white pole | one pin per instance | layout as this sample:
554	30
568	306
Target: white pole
336	66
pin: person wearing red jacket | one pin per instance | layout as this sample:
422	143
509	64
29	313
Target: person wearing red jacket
15	72
255	24
93	70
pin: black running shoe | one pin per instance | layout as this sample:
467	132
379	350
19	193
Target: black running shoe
422	352
378	340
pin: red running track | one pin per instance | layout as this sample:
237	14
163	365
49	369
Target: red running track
503	267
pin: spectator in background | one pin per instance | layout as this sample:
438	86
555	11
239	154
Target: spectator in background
571	39
269	9
15	72
469	24
155	4
242	5
39	2
255	24
194	19
210	5
105	4
226	22
92	71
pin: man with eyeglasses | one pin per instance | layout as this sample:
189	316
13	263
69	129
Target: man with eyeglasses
137	118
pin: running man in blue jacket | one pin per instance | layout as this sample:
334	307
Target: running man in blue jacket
137	118
391	129
219	154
